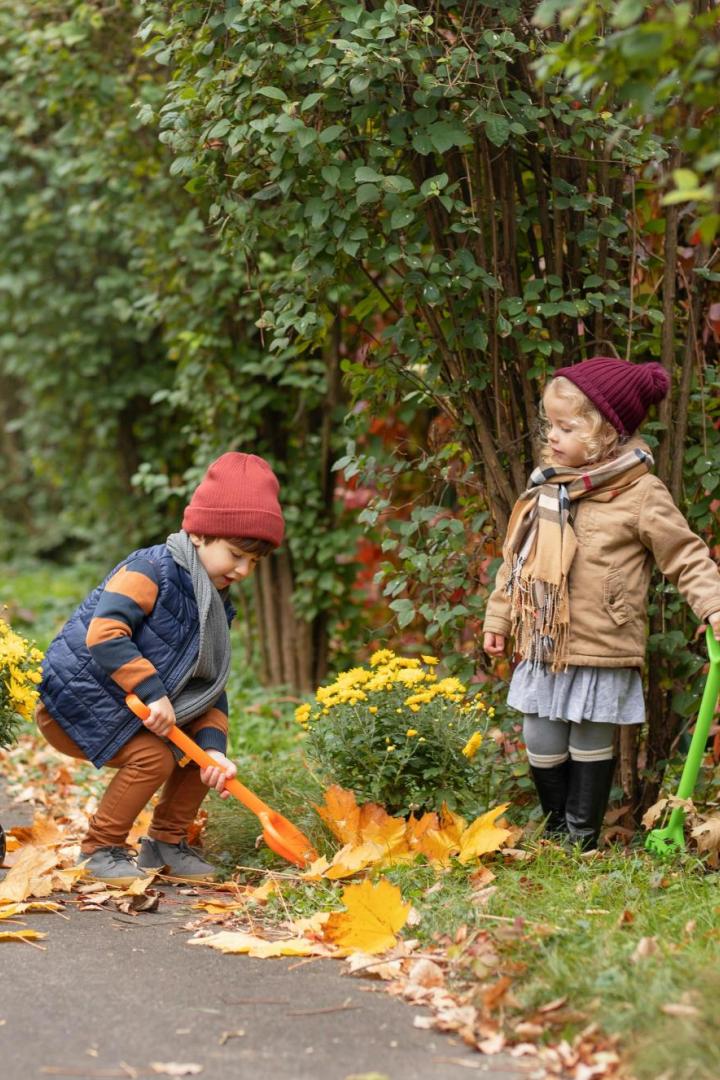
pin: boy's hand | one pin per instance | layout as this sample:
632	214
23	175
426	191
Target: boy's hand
494	644
714	621
162	716
216	776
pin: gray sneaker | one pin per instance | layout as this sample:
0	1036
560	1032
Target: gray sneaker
180	860
113	865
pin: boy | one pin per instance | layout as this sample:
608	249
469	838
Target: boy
158	626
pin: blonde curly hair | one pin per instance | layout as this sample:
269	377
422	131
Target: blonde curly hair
602	440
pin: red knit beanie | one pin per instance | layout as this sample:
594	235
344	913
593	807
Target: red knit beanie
621	391
237	497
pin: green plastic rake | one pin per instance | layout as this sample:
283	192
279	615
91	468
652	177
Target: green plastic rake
671	839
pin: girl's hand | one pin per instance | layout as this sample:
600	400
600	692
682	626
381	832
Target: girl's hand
162	716
215	776
494	644
714	621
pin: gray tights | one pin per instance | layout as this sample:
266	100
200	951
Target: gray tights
550	742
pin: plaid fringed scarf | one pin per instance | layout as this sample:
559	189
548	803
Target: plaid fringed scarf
541	544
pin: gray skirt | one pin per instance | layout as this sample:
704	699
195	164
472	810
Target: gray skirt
603	695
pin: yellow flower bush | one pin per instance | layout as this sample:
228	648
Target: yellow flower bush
19	676
396	733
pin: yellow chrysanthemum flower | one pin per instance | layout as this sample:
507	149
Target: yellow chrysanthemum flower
471	747
382	656
410	733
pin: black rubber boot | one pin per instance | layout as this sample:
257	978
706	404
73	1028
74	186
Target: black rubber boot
2	845
587	798
552	789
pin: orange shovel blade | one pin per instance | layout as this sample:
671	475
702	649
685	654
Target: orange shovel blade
280	835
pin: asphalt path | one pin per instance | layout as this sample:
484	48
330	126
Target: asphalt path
114	995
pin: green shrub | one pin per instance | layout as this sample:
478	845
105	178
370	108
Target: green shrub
396	734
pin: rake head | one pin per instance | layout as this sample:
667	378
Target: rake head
666	842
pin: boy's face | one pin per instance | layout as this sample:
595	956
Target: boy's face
224	561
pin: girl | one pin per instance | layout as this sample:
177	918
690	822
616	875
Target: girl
572	589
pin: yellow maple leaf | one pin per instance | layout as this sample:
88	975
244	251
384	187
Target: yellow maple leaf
453	825
374	915
9	911
264	891
316	869
352	858
30	876
230	941
64	879
341	814
20	935
483	835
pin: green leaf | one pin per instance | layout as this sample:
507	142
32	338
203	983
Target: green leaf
359	84
329	134
398	184
366	175
497	129
401	217
627	12
310	101
443	135
367	193
273	92
330	174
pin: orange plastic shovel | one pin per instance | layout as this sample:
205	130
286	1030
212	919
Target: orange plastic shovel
279	834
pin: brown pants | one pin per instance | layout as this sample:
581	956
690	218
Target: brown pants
144	764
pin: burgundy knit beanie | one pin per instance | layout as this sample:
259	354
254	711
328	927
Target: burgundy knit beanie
237	497
621	391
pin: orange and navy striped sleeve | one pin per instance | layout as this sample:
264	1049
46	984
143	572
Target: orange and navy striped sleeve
128	598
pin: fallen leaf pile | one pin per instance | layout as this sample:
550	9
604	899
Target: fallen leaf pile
371	837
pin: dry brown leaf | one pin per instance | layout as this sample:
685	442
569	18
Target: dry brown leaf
654	813
494	1045
707	834
374	968
426	973
646	946
174	1068
374	915
678	1008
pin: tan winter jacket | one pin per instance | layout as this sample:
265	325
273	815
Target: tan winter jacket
619	536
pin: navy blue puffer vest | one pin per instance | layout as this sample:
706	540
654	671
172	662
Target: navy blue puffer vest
79	695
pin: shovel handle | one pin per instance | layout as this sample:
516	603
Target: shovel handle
201	758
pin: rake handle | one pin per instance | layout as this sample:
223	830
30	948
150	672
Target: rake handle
201	758
706	714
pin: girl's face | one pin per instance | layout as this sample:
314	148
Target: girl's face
565	434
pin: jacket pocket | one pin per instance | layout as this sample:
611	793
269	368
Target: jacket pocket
614	600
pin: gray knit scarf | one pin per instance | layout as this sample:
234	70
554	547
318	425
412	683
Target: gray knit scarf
202	685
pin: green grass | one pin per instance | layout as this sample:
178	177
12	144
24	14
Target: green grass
40	596
568	926
602	908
